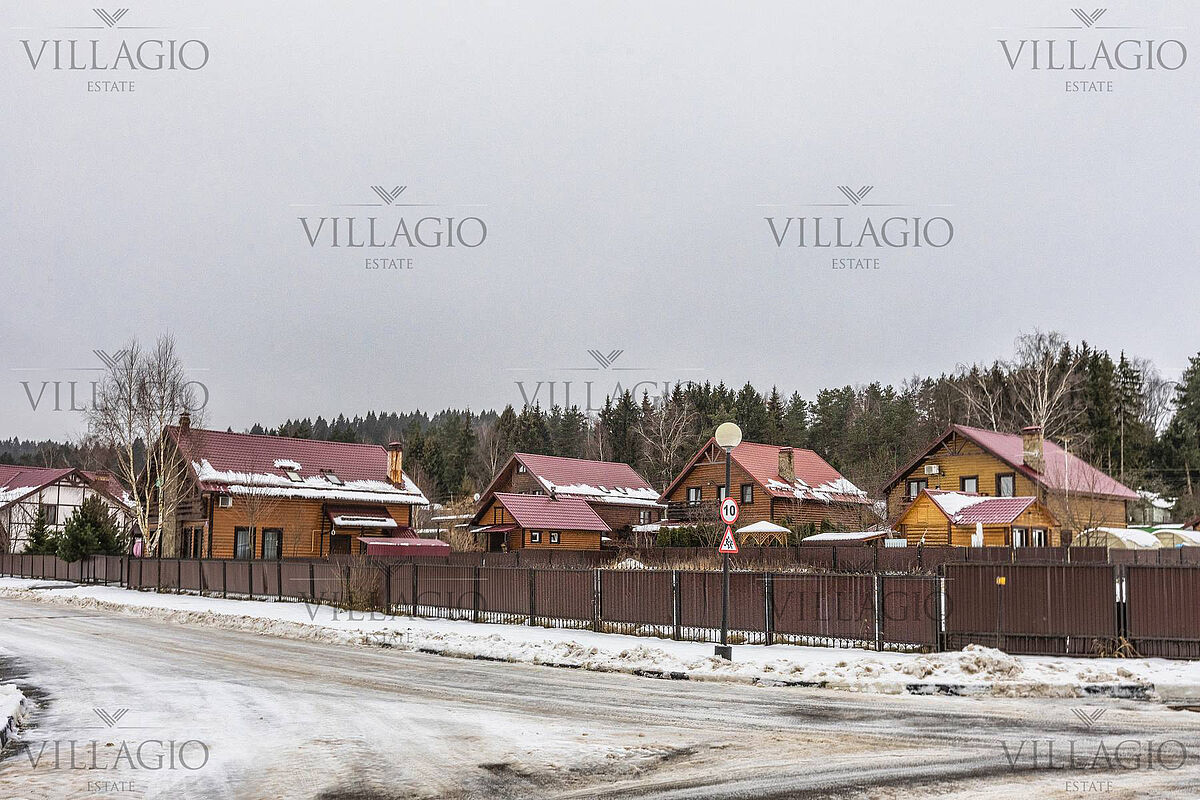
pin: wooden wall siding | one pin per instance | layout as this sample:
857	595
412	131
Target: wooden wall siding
569	540
615	515
926	520
959	457
490	517
304	523
619	517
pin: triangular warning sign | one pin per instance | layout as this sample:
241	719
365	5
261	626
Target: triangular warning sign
728	542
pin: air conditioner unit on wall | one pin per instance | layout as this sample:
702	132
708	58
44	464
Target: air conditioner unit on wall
933	469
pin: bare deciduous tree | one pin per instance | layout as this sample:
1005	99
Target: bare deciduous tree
141	394
666	433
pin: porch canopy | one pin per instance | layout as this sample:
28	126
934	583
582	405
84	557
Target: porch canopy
410	545
360	517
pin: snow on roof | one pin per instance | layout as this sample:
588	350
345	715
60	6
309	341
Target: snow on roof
245	464
351	521
17	481
763	526
815	478
596	481
848	536
967	508
1168	536
1157	500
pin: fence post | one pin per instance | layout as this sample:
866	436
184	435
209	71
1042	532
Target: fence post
941	624
141	574
676	607
250	576
833	559
1121	604
877	586
349	598
475	595
768	608
279	577
387	588
178	576
312	583
414	588
224	578
596	610
532	596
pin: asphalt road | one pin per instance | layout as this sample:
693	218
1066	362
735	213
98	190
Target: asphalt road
212	713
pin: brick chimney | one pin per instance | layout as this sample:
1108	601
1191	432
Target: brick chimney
395	467
1032	447
787	464
185	422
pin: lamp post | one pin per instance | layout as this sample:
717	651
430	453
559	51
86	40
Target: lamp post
728	436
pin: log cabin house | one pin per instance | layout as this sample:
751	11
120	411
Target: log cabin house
248	496
56	491
939	517
536	521
614	491
789	486
989	463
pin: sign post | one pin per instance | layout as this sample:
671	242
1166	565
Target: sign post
729	515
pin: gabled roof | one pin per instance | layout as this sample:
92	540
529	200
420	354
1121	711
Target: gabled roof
815	478
18	482
1063	470
608	482
968	508
246	463
539	511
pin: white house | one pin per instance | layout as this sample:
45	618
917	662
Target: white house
57	490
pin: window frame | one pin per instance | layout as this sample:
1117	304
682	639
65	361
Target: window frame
51	511
555	537
249	546
277	532
644	517
722	492
1021	532
535	537
921	483
962	483
699	490
747	494
1001	476
1039	533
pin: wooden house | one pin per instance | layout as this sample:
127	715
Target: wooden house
785	485
617	494
57	492
541	521
989	463
937	517
248	496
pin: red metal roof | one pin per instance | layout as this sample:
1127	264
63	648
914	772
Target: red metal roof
539	511
571	471
968	508
247	453
13	477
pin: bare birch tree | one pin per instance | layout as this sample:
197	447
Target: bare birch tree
1042	377
141	394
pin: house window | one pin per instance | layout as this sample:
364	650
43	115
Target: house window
693	495
272	540
243	543
1018	537
555	536
915	487
643	517
969	483
334	479
722	493
51	512
293	475
535	537
747	493
521	469
1038	538
497	515
1006	485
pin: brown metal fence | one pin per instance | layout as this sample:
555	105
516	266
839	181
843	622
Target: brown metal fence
1035	607
1046	609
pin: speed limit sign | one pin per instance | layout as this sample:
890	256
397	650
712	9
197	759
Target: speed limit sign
729	511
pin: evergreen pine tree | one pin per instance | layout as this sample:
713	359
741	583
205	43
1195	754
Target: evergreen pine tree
42	541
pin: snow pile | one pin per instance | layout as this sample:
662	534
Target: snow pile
974	670
12	711
630	563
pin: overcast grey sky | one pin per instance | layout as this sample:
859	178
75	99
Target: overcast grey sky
623	156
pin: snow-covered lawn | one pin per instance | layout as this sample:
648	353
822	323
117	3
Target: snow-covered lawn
974	670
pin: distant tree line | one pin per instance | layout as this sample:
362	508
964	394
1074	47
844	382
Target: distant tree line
1117	412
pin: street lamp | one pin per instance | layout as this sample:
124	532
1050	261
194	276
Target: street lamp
728	436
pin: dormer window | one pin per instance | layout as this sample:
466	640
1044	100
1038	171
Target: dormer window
293	475
334	479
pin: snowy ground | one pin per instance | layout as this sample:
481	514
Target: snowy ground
287	718
976	670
